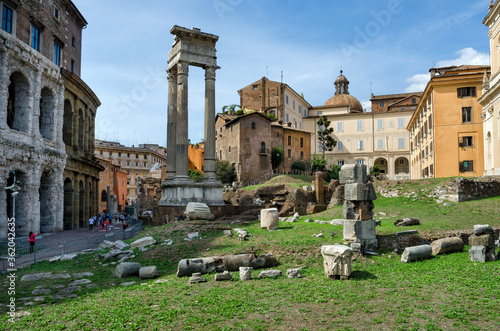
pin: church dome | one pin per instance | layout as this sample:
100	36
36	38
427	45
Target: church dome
342	98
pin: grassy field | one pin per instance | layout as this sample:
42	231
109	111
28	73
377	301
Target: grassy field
443	293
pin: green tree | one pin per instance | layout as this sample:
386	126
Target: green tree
326	141
230	109
224	172
277	156
272	117
375	170
298	165
334	174
318	163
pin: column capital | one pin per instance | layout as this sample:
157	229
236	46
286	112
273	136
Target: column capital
210	72
182	68
171	73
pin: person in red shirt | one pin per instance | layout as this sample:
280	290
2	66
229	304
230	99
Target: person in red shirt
32	241
107	225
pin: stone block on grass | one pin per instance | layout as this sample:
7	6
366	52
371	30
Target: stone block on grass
127	269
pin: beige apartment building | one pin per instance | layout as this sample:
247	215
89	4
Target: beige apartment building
136	161
372	138
490	99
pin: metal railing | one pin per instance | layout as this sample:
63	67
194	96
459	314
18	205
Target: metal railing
25	255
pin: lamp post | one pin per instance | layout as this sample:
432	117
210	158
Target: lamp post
15	191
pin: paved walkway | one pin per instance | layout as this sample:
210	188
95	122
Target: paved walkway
60	237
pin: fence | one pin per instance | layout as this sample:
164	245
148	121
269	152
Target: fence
42	251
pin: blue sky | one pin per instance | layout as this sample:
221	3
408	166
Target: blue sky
384	46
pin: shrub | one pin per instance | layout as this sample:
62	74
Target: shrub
277	156
318	163
195	175
299	165
375	170
224	172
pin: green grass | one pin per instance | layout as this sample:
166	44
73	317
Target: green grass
289	180
443	293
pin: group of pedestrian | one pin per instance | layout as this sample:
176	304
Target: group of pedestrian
104	220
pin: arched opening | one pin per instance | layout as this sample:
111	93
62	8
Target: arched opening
47	110
104	196
68	123
81	217
81	120
402	166
360	161
253	125
382	165
47	196
18	103
263	147
68	204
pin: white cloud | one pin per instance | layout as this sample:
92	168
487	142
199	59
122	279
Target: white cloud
417	83
467	56
367	105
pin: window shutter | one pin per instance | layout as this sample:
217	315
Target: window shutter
459	92
471	166
473	91
460	142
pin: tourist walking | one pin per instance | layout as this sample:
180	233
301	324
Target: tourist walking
32	241
107	225
91	223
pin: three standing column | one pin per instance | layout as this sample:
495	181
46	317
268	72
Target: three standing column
209	158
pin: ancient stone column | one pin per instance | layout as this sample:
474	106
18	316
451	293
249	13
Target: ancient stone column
209	161
181	161
171	123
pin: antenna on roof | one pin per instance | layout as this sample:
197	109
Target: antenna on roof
281	76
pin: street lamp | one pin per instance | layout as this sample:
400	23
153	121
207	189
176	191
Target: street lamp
15	191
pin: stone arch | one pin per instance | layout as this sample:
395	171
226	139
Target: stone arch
81	191
18	102
81	120
263	147
68	204
360	161
47	196
402	166
68	123
382	164
47	109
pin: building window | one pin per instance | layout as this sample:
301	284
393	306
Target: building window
340	146
293	104
101	152
287	118
137	164
301	142
128	154
466	114
300	109
101	178
340	126
463	92
360	144
401	123
35	38
382	104
128	163
277	134
301	155
128	172
57	53
359	125
229	149
300	125
401	143
57	13
380	124
136	156
73	42
380	143
289	153
289	140
263	148
145	164
340	163
360	161
414	101
466	166
145	156
253	125
255	87
7	15
465	142
119	153
286	99
320	113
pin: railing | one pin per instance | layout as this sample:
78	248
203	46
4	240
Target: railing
25	255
